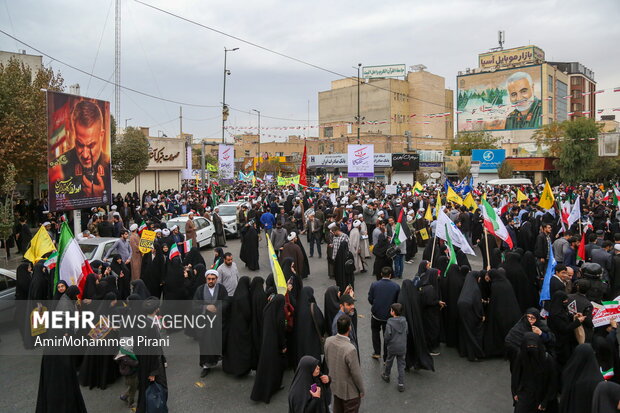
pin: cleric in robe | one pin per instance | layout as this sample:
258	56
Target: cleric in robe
528	108
85	168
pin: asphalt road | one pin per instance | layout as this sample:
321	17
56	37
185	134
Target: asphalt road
456	386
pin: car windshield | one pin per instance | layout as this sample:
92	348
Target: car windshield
227	210
88	250
179	224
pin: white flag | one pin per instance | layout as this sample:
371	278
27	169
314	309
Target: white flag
457	237
575	213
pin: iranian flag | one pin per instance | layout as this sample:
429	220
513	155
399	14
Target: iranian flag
400	233
581	252
494	224
503	206
616	196
72	266
51	262
174	251
142	227
187	245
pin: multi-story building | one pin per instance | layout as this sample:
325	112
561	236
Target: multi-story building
582	89
34	62
412	113
511	94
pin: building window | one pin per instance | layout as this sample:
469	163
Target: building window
246	153
550	84
575	80
515	151
279	153
550	107
328	131
561	105
331	147
576	94
321	147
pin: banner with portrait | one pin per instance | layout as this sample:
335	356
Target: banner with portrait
509	99
78	152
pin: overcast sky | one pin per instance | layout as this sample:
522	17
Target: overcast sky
174	59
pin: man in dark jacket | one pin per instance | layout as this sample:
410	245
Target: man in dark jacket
381	295
541	250
602	256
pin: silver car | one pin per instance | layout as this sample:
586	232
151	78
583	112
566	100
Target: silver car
7	295
96	248
228	213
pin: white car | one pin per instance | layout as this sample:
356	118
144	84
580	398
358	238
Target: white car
96	248
205	230
228	212
7	295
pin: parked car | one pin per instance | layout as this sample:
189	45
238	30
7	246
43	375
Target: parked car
204	229
228	212
96	248
7	295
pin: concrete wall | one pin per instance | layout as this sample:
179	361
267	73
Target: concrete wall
149	181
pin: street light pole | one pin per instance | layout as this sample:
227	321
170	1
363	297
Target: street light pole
126	122
359	65
224	107
259	154
202	170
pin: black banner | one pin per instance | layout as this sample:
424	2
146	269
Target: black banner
405	162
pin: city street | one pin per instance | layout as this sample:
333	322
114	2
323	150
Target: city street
456	386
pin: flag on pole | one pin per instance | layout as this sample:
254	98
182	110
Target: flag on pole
616	196
503	206
187	245
575	213
545	294
40	245
564	214
546	198
276	270
453	233
50	264
452	196
494	224
142	227
174	251
303	178
428	215
451	249
438	203
400	235
521	196
469	202
581	252
417	188
72	267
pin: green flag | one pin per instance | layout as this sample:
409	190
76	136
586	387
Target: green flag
451	248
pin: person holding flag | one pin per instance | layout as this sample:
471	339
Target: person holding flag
401	234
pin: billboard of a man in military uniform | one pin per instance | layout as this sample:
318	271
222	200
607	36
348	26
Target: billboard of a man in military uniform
79	171
506	99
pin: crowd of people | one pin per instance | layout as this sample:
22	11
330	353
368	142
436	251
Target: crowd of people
515	306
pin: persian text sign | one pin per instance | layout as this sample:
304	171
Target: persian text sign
226	159
361	161
370	72
516	56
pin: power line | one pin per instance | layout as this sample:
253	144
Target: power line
98	47
295	59
104	80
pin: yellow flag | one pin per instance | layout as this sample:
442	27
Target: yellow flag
429	214
521	196
546	199
40	245
417	188
484	196
438	204
424	234
469	202
276	270
453	196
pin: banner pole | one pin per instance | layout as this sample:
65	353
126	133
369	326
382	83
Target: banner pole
433	252
486	242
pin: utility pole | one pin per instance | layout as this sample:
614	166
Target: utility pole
358	119
259	154
181	121
117	63
224	107
202	171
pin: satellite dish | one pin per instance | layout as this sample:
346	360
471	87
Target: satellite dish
435	175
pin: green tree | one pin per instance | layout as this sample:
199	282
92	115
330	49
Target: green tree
112	129
463	167
606	169
466	141
23	117
130	155
505	170
550	136
579	149
7	220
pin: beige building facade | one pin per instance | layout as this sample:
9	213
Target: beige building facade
411	114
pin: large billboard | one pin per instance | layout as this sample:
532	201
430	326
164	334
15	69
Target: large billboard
79	170
501	100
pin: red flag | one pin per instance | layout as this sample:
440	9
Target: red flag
303	179
581	252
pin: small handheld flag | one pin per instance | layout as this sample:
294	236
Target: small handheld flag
174	251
